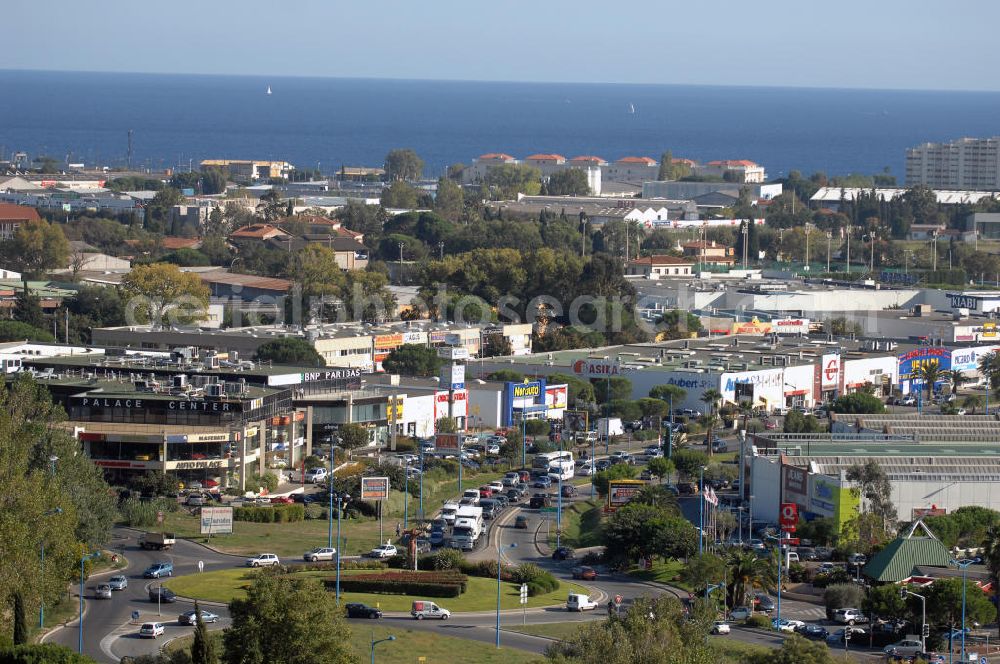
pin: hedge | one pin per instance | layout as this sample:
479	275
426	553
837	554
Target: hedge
270	513
760	622
428	584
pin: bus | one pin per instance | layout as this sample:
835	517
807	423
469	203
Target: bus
559	465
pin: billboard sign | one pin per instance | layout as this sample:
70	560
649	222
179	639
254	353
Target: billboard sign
795	488
374	488
620	492
830	372
925	356
216	520
556	396
967	359
448	442
788	517
754	327
791	325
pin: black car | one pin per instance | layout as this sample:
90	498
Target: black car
161	594
355	610
538	501
568	490
602	464
763	603
813	632
563	553
514	496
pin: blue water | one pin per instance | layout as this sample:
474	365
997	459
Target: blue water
334	122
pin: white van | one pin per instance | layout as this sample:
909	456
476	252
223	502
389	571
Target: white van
473	495
448	513
578	602
423	609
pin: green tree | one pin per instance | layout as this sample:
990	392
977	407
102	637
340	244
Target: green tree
702	570
956	378
668	394
989	367
496	345
677	324
400	195
449	201
929	374
21	633
858	403
885	602
352	436
748	573
213	181
37	246
506	376
661	467
839	595
944	604
12	330
290	351
283	620
160	294
620	471
506	181
651	408
689	461
579	390
42	653
991	556
28	308
413	360
796	422
203	647
568	182
638	530
621	389
666	166
158	210
403	164
873	486
797	650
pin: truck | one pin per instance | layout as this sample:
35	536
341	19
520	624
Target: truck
157	541
610	426
468	527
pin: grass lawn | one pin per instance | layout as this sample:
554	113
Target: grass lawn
581	524
727	646
481	595
560	631
412	644
293	539
104	564
662	572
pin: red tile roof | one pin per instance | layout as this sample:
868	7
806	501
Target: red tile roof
257	232
545	157
174	243
498	156
661	260
682	160
646	161
14	212
733	162
590	158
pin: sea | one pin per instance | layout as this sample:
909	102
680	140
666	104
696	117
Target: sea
326	123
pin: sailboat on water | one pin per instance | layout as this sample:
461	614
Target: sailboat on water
631	108
269	89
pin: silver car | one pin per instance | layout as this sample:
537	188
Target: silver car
103	591
118	582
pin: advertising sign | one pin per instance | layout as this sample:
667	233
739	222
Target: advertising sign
216	520
556	396
830	372
597	368
374	488
752	327
447	442
413	337
933	510
387	341
796	485
788	517
621	492
967	359
453	352
918	357
453	376
575	420
791	326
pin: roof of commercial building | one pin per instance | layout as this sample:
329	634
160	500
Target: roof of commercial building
899	559
245	280
497	156
661	260
646	161
590	159
257	232
545	157
944	196
733	163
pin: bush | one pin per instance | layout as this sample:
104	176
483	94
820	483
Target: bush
44	653
646	434
270	513
539	581
428	584
405	444
758	621
796	573
363	563
268	481
537	427
837	576
446	559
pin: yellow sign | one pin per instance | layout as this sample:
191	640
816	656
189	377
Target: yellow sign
989	330
753	327
527	390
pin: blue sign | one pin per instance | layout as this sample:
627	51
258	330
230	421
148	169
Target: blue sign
923	356
531	394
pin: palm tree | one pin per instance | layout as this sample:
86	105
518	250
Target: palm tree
989	367
748	573
930	374
956	378
710	397
972	402
991	554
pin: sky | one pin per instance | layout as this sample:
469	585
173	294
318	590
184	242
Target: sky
889	44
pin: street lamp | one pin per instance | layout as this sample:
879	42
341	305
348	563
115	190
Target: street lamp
701	509
391	637
871	239
422	482
829	238
406	495
962	565
342	499
903	592
83	559
778	539
41	552
513	545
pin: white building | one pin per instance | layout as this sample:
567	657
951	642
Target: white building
734	170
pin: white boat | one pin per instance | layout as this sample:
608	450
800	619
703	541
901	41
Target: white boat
269	89
631	108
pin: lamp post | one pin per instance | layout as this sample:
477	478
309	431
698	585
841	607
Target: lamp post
406	495
524	442
593	465
400	262
41	554
701	510
778	539
83	559
871	239
829	238
903	592
421	482
342	499
740	510
391	637
962	565
513	545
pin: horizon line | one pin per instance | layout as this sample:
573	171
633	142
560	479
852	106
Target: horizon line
262	76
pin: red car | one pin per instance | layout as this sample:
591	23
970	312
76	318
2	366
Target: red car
485	491
282	500
584	573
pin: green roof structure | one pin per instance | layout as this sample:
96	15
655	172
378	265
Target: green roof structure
899	559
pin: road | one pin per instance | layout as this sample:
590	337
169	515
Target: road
108	630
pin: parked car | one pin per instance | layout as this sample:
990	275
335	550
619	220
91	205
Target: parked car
316	475
358	610
837	638
150	630
908	400
563	553
602	465
538	501
191	617
584	573
282	500
103	591
319	553
156	570
521	522
687	488
789	626
118	582
740	613
849	616
161	594
263	560
195	500
437	538
904	648
720	627
826	568
857	559
383	551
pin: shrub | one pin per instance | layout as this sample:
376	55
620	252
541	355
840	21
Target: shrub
405	444
796	573
447	559
758	621
539	581
429	584
344	564
536	427
44	653
646	434
270	513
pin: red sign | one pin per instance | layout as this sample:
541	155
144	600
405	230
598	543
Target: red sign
789	516
618	600
790	541
831	370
